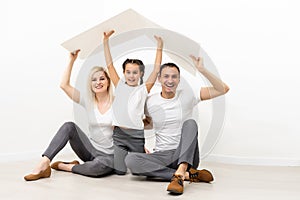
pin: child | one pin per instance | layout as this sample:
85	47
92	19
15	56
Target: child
129	102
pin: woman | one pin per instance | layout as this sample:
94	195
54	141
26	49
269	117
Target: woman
97	150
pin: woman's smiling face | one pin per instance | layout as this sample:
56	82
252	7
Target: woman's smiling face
99	82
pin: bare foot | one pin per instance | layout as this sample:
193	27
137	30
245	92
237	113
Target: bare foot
65	167
42	166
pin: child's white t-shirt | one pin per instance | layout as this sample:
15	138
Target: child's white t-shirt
128	105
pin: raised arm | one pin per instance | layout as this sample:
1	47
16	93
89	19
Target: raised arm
72	92
218	86
153	76
109	62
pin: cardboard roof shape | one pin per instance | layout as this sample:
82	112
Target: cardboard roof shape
176	46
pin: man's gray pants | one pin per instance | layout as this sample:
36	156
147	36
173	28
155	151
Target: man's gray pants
163	164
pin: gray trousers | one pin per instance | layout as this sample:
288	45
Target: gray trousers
163	164
126	140
96	163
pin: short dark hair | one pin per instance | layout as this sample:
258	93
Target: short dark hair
168	65
139	63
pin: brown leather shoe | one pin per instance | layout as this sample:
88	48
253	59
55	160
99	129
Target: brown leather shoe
55	165
43	174
176	185
200	175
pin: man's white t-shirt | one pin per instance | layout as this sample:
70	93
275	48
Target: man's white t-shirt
128	105
100	128
168	116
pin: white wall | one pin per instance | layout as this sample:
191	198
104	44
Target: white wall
254	44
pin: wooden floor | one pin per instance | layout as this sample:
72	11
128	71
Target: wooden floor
231	182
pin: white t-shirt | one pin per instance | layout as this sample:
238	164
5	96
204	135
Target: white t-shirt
168	116
128	105
100	128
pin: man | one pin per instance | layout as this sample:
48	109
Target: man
176	154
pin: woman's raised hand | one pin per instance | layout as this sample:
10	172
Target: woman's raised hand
74	55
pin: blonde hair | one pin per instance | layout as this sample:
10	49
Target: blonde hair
91	94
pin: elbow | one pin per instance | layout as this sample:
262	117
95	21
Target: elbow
62	86
156	70
226	89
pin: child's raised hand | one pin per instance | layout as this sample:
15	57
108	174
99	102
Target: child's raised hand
159	41
106	35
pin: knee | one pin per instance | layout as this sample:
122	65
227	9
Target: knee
69	126
190	127
131	160
190	123
97	168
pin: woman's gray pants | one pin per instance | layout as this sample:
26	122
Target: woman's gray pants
96	163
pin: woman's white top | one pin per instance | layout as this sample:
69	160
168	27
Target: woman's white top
100	128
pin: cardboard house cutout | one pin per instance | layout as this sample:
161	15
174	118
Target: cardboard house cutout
133	31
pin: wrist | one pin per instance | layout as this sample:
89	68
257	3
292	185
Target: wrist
202	70
71	60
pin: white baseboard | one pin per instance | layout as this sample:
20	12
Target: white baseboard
238	160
